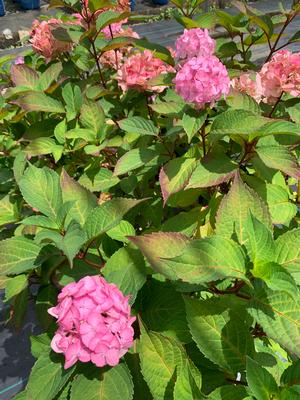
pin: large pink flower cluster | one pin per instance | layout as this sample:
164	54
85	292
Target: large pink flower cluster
139	69
194	43
94	322
202	80
280	75
43	40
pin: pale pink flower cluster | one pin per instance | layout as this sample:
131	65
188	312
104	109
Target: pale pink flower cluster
193	43
43	40
139	69
280	75
202	80
94	323
248	83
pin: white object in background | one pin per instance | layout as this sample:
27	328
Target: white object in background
7	34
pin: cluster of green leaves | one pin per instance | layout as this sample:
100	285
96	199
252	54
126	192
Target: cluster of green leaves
194	214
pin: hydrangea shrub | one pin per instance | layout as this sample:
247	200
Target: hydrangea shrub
149	206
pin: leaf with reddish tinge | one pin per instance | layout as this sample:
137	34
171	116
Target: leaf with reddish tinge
279	157
25	76
39	102
157	246
175	175
212	171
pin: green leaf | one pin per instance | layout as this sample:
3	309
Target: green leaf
108	215
18	255
214	169
23	75
15	286
40	344
48	370
237	122
184	222
49	76
84	200
132	358
294	112
103	384
206	20
287	252
276	278
20	162
260	381
220	332
40	220
229	392
39	102
158	246
209	259
134	159
109	17
42	145
73	99
192	122
159	357
167	108
291	376
9	212
241	101
70	243
163	311
99	182
234	208
175	175
279	158
19	306
278	316
279	128
121	231
160	52
281	208
138	125
126	268
259	240
46	196
264	22
81	133
92	116
188	382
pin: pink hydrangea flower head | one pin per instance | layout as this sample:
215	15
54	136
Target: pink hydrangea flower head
202	80
194	42
43	41
280	75
139	69
94	322
248	83
274	75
